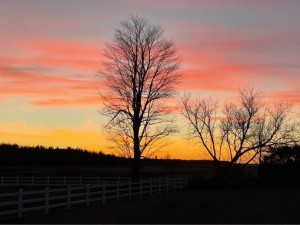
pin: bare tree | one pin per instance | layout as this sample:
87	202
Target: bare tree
140	72
241	131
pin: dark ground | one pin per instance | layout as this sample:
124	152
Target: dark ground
194	206
166	169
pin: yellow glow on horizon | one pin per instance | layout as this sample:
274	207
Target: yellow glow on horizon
59	137
89	138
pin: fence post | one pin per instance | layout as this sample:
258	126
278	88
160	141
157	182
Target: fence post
87	195
17	181
46	200
20	204
129	189
141	188
32	180
103	193
69	197
118	190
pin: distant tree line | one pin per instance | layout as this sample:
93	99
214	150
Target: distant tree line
15	155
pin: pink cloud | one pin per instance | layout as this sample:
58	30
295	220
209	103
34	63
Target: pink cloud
292	96
55	53
63	89
87	100
214	60
59	47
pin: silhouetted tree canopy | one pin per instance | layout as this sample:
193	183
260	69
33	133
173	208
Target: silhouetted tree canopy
140	72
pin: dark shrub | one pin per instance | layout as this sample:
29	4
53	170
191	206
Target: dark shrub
281	167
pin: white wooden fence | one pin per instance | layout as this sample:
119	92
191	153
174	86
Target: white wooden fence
42	201
56	181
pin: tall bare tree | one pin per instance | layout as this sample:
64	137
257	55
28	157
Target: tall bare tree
140	72
242	130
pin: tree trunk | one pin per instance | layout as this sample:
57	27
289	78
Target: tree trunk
135	176
228	168
218	171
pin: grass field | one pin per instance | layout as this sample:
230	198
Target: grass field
194	206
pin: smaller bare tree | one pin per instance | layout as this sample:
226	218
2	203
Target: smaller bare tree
241	131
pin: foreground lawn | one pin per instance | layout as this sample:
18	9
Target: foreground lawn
195	206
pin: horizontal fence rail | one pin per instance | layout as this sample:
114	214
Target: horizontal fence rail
42	201
56	181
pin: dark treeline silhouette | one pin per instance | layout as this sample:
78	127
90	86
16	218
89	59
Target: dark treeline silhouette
15	155
281	167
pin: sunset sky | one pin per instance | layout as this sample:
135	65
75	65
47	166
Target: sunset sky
50	55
